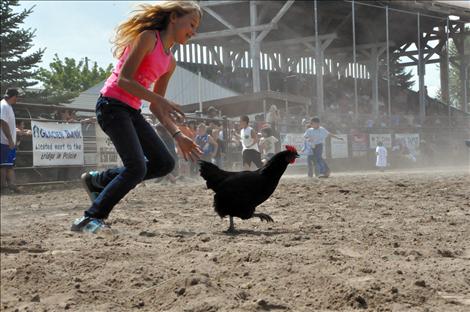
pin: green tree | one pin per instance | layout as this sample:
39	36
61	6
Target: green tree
65	79
456	91
18	68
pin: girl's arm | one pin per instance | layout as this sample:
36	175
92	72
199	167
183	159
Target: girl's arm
143	45
159	88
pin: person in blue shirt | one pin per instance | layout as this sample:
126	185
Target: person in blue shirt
316	136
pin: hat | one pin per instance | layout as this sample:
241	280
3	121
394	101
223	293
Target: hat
11	92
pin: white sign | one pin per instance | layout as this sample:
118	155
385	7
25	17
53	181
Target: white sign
339	149
411	140
57	144
297	140
386	139
106	155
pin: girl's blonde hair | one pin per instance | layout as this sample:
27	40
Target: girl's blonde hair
147	16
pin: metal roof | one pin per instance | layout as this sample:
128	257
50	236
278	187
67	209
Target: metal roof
182	89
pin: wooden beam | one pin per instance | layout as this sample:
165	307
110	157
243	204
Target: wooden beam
224	22
206	4
232	32
276	19
309	39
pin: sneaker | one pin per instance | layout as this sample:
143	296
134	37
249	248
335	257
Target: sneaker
87	224
92	191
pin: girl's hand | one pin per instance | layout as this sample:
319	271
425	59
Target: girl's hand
177	115
166	109
188	147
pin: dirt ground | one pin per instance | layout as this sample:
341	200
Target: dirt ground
377	242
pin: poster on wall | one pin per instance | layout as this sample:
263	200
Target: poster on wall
411	140
385	138
339	148
106	155
359	143
57	144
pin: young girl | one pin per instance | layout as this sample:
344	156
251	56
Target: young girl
381	153
267	144
142	45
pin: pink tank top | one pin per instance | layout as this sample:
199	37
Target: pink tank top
153	66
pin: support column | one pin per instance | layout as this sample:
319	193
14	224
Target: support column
421	74
444	70
254	49
464	84
319	60
374	78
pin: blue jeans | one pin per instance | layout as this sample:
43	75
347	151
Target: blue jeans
320	163
311	164
142	152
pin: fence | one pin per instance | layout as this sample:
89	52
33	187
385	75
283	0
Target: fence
56	144
58	150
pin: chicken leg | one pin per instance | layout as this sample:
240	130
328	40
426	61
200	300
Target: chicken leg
231	228
263	217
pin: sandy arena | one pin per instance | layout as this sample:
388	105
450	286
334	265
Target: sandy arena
370	242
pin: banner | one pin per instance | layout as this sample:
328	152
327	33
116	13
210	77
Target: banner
359	142
411	140
386	139
339	149
297	140
57	144
106	155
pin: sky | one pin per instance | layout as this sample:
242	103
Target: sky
80	29
76	29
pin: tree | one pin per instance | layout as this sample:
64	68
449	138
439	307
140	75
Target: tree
65	79
456	91
17	67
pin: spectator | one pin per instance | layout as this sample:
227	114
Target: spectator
249	140
316	136
212	112
8	141
206	143
220	148
273	117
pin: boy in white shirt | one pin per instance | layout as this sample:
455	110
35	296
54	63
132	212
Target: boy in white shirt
8	141
249	140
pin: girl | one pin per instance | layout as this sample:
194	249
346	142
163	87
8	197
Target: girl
142	45
381	152
267	144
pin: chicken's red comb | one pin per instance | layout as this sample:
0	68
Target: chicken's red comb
291	148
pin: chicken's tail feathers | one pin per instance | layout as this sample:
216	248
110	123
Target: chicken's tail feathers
212	174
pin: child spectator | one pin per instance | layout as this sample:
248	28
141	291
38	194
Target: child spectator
267	144
381	153
206	143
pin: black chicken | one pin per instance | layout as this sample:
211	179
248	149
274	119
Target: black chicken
238	193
